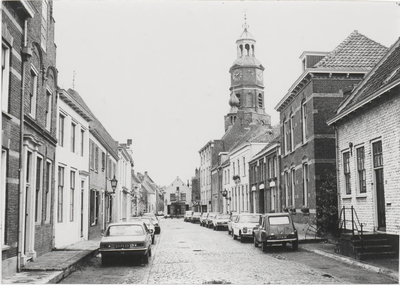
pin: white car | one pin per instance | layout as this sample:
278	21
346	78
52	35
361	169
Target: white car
244	225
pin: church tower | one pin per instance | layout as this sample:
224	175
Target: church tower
247	89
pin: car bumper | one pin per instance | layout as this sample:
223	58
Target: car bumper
123	252
280	240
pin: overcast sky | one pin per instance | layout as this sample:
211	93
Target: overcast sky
157	72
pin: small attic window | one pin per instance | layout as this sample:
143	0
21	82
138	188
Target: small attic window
303	63
391	75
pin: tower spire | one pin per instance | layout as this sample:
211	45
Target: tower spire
245	25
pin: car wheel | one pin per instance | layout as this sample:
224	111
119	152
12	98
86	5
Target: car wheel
146	258
255	242
295	245
241	237
229	232
234	236
149	251
264	247
152	240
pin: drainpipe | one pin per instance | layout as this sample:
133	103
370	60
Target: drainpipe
337	169
278	178
26	54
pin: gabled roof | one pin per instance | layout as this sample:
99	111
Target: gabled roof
384	76
355	52
274	142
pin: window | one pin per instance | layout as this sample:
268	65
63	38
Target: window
33	93
82	141
285	136
96	159
274	167
287	187
234	171
183	196
61	130
47	193
60	194
238	164
172	197
305	184
72	195
303	122
3	174
5	76
260	100
73	134
291	132
91	158
38	186
293	182
244	166
240	101
362	185
377	154
48	109
43	41
270	175
93	207
346	171
103	161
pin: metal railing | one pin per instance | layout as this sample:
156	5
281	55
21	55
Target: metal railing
356	226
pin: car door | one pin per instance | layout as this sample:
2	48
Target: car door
234	225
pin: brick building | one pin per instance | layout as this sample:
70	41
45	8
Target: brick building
308	143
15	52
177	198
367	127
264	181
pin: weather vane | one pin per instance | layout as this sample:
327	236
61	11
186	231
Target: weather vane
245	26
73	79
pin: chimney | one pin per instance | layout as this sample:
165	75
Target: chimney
129	142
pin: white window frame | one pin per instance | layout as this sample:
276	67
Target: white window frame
346	186
5	76
60	195
361	171
38	190
3	195
73	137
304	121
48	187
306	173
61	129
49	99
34	76
72	187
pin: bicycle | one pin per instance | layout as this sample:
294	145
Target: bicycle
315	231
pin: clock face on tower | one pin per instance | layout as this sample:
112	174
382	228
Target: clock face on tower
237	75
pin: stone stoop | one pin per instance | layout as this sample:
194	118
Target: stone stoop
367	246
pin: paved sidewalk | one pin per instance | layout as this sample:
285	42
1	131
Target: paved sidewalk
53	266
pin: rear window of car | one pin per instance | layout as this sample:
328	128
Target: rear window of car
131	230
279	220
249	219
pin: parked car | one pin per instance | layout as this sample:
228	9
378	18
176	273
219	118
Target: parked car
149	223
203	218
196	217
220	221
275	228
156	222
210	216
160	213
232	217
131	239
244	224
188	216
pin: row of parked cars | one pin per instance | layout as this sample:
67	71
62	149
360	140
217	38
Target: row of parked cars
264	229
132	239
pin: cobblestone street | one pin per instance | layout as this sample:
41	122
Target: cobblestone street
188	253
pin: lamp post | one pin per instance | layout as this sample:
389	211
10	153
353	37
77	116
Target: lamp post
114	183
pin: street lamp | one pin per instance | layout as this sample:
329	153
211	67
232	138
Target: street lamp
114	183
236	178
225	194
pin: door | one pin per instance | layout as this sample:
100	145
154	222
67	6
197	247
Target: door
380	199
82	193
379	184
261	201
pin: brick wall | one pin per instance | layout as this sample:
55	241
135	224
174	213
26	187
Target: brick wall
376	122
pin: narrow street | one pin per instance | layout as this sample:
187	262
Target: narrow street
188	253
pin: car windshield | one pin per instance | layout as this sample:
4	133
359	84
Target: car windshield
223	216
249	219
196	214
284	220
125	230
